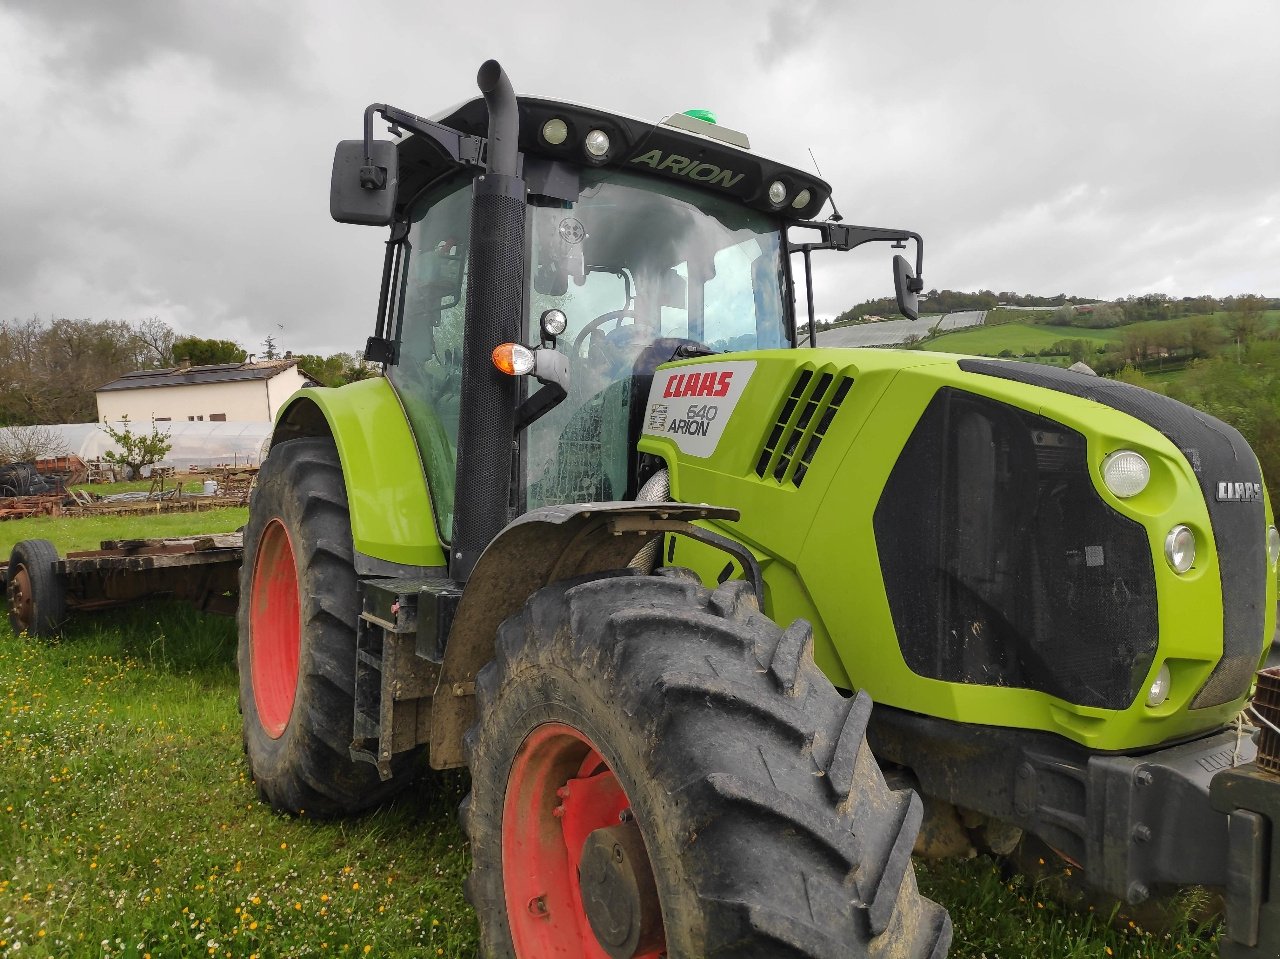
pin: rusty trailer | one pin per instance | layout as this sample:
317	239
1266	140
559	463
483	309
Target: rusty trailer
43	588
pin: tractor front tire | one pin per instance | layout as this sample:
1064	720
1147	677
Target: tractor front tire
297	622
659	770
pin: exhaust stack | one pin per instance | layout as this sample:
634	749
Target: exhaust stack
485	476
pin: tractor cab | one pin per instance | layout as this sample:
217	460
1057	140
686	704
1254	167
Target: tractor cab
641	243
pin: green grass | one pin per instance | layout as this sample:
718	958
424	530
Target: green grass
1017	337
129	826
997	916
86	532
124	486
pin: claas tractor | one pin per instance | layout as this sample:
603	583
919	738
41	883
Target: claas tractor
613	533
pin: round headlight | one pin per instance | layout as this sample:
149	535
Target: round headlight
555	131
1159	689
1126	473
554	322
777	193
1273	545
597	144
1180	548
802	199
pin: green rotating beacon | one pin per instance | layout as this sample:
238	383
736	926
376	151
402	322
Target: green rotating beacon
611	534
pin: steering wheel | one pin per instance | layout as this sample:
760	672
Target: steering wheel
603	318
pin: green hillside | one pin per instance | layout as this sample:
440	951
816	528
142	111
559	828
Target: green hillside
1019	338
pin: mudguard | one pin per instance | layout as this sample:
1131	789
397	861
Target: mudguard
539	548
392	521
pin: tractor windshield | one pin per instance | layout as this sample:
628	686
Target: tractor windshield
635	263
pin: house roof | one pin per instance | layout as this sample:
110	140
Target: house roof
195	375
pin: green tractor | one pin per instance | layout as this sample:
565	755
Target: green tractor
606	535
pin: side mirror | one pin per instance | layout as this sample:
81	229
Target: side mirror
907	288
363	193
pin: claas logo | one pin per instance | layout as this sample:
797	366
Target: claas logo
698	384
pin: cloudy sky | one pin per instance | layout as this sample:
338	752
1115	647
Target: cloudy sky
171	158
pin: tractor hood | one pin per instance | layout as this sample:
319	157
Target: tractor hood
944	523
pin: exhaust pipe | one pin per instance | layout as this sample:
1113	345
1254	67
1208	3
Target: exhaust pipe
504	121
483	484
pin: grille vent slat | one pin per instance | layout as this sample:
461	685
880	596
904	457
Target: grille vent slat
802	421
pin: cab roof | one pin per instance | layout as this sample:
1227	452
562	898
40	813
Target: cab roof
642	146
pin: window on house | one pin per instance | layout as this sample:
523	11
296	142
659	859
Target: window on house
217	417
161	419
191	418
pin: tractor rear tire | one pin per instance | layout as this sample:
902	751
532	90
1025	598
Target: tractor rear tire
297	622
37	596
729	803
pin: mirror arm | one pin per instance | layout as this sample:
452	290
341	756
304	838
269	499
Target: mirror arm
837	236
466	150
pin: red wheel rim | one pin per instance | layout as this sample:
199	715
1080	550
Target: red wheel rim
275	629
559	791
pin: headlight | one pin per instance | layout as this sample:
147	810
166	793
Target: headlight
1180	548
1273	545
1159	690
597	144
777	193
554	322
555	131
1126	473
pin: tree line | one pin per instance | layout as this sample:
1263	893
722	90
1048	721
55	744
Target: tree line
49	369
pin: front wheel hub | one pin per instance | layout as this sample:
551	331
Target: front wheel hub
618	892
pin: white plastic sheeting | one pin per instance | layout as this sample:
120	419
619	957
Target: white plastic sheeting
894	332
194	443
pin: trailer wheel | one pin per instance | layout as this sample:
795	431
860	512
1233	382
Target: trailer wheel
37	596
658	770
297	623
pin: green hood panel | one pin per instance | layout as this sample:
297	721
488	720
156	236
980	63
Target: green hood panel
808	480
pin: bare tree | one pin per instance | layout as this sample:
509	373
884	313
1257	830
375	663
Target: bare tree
25	444
155	342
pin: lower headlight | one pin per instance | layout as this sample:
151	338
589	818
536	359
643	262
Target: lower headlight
1159	689
1180	548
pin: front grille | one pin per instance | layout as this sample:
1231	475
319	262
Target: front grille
1216	452
1002	564
802	421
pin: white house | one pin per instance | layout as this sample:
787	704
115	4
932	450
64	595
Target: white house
235	392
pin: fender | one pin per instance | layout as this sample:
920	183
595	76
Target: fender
539	548
392	520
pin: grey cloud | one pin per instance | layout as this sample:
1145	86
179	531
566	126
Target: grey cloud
249	45
1089	147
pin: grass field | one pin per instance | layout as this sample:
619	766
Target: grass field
1022	330
129	826
1018	337
87	532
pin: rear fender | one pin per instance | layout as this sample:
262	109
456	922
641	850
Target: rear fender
392	521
